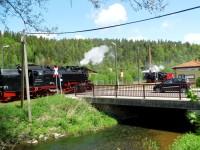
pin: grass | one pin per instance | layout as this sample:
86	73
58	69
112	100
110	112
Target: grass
50	115
187	142
150	144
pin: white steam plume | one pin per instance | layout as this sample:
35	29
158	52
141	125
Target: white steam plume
154	68
95	55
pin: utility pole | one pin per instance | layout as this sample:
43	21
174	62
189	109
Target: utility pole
22	71
150	59
5	46
60	79
26	78
116	71
138	65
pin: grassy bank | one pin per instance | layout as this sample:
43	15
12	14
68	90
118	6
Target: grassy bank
190	141
187	142
52	116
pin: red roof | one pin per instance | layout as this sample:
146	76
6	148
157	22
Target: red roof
190	64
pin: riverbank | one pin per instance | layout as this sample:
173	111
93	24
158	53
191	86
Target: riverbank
53	117
188	141
119	137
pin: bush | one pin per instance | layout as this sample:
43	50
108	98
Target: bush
187	142
51	114
198	82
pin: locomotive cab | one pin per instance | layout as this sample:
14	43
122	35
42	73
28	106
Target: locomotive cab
36	77
41	81
10	84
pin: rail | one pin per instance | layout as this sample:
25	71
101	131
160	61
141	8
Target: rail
138	90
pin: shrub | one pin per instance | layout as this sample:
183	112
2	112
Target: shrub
198	82
51	114
187	142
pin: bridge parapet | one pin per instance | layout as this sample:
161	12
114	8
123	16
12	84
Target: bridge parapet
141	95
143	91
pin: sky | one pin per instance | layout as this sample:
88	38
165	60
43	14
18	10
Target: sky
82	15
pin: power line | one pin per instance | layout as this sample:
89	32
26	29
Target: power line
117	25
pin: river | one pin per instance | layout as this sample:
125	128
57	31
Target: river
120	137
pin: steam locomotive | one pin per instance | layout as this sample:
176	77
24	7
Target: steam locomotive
43	81
152	77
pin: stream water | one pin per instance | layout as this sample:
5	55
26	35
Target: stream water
120	137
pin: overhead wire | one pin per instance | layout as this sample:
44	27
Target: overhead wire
117	25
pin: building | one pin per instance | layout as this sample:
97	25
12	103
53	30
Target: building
189	70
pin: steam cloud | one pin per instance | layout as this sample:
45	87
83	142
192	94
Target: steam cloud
95	55
154	68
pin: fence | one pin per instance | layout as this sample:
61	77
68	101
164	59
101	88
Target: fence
138	90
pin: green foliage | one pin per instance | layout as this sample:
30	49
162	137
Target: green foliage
192	96
71	51
190	141
149	144
198	82
55	114
194	118
187	142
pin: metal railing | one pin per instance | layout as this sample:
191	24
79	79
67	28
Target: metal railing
137	90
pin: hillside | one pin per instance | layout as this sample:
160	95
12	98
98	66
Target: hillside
71	51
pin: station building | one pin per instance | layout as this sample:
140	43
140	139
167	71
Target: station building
189	70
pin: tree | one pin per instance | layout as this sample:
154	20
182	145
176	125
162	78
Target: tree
23	10
30	11
149	5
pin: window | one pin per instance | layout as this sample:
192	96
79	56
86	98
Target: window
168	82
191	76
181	76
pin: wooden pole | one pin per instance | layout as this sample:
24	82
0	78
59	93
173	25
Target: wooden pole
150	59
56	84
27	81
60	84
138	65
22	72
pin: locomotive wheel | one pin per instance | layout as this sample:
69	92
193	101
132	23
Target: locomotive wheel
81	89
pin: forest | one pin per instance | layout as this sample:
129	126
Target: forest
132	57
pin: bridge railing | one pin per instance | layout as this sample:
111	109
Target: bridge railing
137	90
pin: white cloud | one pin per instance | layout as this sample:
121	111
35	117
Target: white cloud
192	38
114	14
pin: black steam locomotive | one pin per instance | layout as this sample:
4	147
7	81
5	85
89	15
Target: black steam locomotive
152	77
43	81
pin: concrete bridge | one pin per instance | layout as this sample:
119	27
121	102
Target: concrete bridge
139	95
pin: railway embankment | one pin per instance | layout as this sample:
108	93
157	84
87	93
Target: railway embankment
52	117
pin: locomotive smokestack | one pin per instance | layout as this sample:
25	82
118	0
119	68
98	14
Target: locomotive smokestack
95	55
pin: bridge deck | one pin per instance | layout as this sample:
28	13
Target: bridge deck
149	102
139	95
